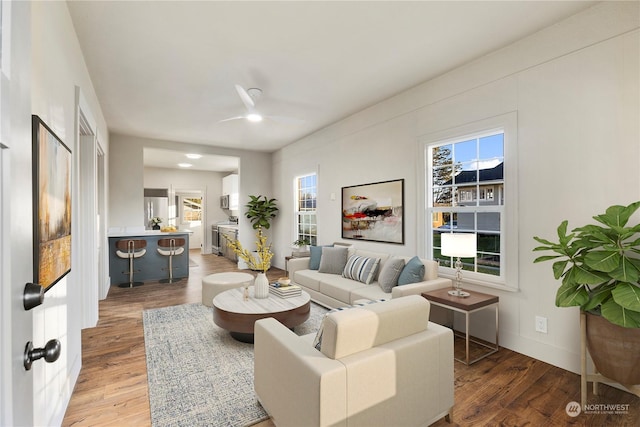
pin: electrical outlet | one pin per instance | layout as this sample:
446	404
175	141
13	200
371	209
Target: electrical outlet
541	324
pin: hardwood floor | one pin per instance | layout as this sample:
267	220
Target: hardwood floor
505	389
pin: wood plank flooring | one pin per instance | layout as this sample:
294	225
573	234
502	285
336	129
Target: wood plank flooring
505	389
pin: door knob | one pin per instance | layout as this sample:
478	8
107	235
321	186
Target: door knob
50	353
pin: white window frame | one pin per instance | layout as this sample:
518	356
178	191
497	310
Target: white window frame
296	203
507	123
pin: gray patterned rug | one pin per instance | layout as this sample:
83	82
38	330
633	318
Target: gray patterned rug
198	375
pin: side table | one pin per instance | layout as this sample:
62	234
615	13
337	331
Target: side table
477	301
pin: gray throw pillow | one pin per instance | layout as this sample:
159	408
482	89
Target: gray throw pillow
413	272
388	277
333	260
315	256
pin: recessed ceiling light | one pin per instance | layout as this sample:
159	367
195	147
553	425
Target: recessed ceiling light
185	165
194	156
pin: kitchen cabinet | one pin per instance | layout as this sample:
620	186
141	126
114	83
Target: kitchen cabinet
230	233
230	188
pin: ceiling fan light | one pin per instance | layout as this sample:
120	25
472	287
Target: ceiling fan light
254	117
193	156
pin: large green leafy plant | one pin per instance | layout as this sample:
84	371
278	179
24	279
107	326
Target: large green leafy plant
261	211
599	266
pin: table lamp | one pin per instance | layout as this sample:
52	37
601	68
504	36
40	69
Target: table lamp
459	245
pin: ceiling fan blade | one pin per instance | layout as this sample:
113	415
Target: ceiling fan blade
232	118
246	99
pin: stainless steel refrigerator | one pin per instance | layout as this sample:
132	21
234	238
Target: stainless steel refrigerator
156	203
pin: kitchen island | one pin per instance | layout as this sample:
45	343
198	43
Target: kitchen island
152	266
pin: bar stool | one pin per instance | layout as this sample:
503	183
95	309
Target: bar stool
131	248
171	247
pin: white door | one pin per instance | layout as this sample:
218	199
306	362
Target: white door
16	243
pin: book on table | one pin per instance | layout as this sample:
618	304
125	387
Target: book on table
285	291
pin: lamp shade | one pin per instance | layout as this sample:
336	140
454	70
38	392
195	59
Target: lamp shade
462	245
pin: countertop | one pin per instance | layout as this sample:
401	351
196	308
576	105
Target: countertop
147	233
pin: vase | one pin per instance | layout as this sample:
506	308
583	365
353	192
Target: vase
261	286
155	227
615	350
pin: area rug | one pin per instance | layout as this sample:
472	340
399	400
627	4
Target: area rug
198	375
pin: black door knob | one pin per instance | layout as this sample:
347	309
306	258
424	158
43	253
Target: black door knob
50	353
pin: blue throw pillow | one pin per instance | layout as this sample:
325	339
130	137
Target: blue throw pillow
315	256
413	272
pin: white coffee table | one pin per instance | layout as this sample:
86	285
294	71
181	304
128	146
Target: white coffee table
233	313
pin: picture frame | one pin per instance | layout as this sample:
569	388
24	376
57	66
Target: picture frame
52	163
374	212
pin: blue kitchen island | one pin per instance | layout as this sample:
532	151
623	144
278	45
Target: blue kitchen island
152	266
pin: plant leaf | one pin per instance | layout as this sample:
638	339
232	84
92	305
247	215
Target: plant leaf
627	295
626	271
619	315
598	296
571	295
558	268
586	276
545	258
604	261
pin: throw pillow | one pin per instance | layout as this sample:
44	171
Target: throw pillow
413	272
333	260
315	255
390	273
360	268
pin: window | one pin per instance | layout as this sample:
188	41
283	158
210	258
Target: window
306	223
466	194
191	209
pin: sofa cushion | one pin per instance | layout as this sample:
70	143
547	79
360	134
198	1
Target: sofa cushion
371	292
338	287
389	274
308	278
370	254
315	254
362	269
317	340
333	260
412	272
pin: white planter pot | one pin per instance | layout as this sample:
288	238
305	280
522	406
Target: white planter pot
261	286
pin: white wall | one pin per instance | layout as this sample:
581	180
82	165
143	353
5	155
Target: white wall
574	88
127	180
57	68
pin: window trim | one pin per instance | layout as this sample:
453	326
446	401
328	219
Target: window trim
296	212
509	219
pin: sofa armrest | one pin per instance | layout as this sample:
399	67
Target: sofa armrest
420	287
289	369
295	264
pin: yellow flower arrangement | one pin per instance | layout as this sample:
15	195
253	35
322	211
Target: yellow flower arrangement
263	263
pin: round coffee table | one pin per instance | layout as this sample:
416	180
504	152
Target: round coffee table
233	313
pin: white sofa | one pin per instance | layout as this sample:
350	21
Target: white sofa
333	290
381	364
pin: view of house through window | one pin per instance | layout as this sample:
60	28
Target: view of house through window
466	185
191	209
306	224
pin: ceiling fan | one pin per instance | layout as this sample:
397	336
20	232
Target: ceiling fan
249	98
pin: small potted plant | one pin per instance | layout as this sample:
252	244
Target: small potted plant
301	246
599	269
155	222
261	211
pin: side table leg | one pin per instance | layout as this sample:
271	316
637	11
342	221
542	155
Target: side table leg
467	336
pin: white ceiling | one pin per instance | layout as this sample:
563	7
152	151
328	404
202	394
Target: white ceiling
167	69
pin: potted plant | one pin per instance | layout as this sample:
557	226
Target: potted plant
302	245
600	270
261	211
155	222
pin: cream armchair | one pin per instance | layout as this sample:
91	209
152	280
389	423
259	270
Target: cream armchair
382	364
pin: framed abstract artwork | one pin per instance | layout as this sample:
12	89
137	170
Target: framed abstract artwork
51	206
374	212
